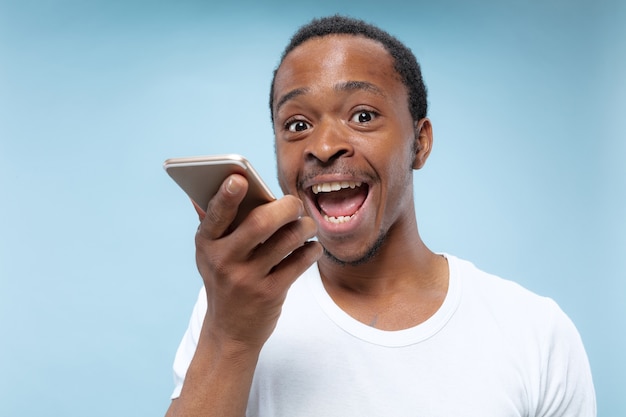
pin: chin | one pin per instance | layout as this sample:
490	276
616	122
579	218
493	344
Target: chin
356	259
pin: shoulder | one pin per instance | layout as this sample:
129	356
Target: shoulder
539	331
491	287
506	300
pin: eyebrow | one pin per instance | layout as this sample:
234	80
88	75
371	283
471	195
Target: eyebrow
359	85
290	95
343	86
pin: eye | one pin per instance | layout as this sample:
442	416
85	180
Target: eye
363	116
297	126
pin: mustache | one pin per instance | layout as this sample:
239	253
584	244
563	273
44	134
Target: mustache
341	170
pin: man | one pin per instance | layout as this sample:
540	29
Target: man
379	325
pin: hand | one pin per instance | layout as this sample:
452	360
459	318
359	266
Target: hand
248	270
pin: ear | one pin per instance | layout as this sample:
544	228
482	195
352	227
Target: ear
423	142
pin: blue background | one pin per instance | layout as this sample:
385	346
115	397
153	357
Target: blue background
97	274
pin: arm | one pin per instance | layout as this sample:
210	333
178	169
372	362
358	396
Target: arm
247	273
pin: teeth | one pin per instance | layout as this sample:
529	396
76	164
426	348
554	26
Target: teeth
328	187
337	220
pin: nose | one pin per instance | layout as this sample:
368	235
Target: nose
328	142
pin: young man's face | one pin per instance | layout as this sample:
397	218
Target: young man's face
345	142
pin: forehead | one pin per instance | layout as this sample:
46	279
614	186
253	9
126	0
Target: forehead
335	58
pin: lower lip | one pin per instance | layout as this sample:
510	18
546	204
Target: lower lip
340	228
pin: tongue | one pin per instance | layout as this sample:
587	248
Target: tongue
344	202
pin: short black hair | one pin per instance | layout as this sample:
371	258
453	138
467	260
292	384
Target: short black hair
405	63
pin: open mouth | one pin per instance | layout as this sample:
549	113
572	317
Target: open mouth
339	201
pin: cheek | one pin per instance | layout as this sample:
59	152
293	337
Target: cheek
399	153
285	173
400	165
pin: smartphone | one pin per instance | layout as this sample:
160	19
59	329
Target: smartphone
201	176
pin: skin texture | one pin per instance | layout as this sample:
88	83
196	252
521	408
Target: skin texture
341	114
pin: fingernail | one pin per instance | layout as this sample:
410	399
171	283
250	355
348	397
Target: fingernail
232	186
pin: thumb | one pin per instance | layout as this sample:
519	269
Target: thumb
223	207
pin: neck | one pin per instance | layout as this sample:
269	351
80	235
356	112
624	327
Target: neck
402	260
399	287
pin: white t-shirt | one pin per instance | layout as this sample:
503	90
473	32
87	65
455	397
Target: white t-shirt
492	349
